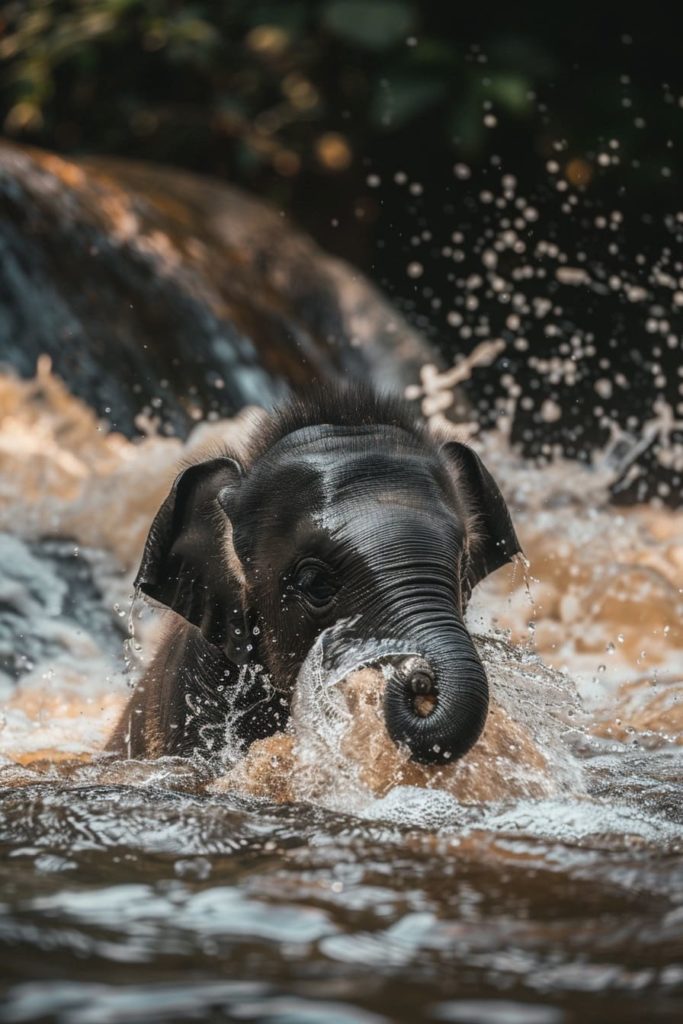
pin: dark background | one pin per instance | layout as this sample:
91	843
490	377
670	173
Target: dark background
392	131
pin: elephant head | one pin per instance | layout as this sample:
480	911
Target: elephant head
345	509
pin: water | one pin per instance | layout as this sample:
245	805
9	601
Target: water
537	881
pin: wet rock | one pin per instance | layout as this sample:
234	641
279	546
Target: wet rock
159	291
50	605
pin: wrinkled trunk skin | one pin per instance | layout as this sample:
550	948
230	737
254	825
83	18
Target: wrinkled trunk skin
461	690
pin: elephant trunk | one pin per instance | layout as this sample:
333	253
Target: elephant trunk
436	703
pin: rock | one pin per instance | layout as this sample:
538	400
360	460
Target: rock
159	291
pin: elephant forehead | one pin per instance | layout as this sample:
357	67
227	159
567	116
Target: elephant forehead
362	501
325	464
329	450
361	457
376	484
326	438
383	480
395	517
372	501
329	477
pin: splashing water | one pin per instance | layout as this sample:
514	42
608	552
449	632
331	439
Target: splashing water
339	755
604	606
545	864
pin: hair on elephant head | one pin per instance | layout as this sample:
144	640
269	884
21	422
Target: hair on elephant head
344	509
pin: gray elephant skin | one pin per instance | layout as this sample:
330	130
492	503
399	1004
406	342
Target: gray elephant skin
346	510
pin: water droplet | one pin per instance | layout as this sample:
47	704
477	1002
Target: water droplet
195	867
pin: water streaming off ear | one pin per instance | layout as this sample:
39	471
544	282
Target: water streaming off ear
539	875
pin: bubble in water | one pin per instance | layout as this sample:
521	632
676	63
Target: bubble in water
198	868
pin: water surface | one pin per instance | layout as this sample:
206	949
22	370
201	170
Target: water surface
133	891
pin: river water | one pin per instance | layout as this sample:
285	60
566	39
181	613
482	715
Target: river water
539	881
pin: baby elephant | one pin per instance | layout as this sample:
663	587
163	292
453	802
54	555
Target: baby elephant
345	511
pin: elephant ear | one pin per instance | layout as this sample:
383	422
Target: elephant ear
497	541
188	563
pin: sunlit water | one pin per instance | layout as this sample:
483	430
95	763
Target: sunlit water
538	881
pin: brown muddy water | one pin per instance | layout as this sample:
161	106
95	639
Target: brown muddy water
538	881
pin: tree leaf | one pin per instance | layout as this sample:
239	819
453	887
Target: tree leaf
511	91
290	16
374	26
400	98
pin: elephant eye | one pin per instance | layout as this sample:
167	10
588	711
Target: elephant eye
315	582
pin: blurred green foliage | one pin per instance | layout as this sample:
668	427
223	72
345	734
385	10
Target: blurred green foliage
283	95
272	79
246	88
381	125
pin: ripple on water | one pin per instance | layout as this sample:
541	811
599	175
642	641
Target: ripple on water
129	887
